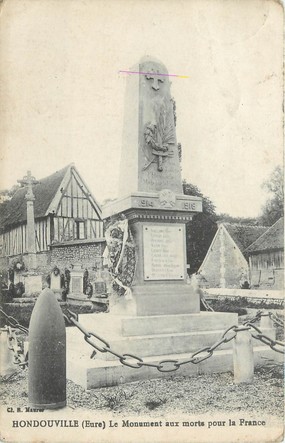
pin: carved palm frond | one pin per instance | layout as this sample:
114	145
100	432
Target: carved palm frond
165	126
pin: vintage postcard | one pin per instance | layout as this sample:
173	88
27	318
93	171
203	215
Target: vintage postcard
141	221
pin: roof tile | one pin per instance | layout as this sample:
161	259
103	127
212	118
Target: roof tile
244	235
14	212
272	238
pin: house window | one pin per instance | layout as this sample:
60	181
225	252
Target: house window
80	230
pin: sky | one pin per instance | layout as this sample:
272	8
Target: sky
62	96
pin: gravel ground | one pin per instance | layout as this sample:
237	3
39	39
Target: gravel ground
204	394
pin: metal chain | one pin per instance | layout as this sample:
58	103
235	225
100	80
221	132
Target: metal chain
254	319
14	345
206	304
277	321
133	361
171	365
267	340
14	323
273	344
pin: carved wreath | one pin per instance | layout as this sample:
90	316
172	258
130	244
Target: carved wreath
158	136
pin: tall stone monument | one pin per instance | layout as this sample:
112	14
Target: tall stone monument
160	323
151	196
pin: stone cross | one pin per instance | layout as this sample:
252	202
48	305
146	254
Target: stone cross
154	76
29	180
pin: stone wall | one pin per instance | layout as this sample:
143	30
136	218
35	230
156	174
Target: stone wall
43	261
87	255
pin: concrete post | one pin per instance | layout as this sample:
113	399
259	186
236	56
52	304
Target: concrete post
265	321
7	365
243	357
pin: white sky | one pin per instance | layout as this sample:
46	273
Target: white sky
62	98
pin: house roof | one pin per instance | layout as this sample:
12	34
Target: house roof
14	212
272	238
244	235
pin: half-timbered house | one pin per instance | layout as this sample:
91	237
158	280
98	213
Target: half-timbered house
68	223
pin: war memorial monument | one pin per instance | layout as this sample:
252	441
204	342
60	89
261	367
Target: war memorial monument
156	317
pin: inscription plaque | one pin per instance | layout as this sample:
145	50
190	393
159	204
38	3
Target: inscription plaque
76	284
163	247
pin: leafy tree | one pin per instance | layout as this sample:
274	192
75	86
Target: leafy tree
7	194
274	206
201	230
226	218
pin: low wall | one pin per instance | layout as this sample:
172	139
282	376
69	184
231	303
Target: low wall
248	293
238	300
21	309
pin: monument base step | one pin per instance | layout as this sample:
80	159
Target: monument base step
160	335
129	326
149	345
163	337
95	373
154	335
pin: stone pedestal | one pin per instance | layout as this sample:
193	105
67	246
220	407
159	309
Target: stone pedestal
55	282
157	222
76	280
33	284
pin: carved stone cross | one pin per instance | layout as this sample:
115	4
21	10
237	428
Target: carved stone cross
29	180
155	77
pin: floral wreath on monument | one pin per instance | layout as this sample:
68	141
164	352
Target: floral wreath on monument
56	270
120	255
18	265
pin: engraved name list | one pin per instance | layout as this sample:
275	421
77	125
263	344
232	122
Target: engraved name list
163	257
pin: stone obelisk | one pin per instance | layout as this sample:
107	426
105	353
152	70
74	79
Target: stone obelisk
150	195
150	159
